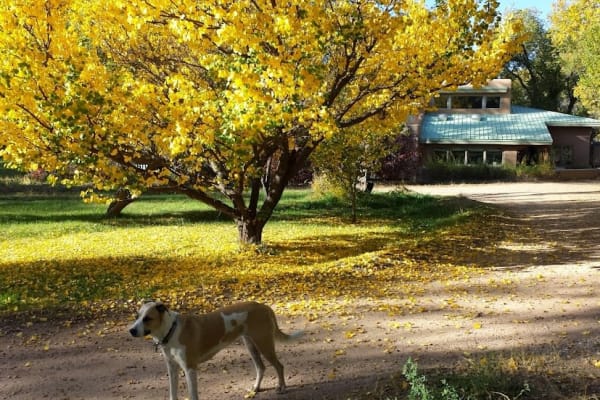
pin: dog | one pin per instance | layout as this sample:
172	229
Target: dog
187	340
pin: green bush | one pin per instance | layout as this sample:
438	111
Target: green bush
446	172
439	172
420	390
487	379
536	171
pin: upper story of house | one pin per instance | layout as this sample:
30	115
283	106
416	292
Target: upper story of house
494	98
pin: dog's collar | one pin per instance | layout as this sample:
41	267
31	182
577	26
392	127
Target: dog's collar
169	334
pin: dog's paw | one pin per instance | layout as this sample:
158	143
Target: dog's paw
281	390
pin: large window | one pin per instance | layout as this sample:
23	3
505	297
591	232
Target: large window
469	102
446	102
468	157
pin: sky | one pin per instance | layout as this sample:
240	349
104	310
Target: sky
544	6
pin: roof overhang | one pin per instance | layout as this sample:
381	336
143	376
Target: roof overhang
487	142
574	124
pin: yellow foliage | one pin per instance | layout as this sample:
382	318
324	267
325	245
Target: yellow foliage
122	90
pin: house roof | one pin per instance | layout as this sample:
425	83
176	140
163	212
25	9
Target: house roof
480	90
523	126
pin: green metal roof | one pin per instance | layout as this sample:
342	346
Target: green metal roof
523	126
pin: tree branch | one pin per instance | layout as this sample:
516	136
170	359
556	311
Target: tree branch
43	124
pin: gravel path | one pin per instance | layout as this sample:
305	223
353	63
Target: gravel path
544	302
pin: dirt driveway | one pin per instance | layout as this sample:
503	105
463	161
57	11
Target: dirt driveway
567	212
541	308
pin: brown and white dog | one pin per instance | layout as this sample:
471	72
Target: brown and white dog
186	340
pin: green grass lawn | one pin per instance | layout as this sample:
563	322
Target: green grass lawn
56	251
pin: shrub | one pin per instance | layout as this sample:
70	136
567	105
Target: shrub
486	379
323	186
535	171
419	390
446	172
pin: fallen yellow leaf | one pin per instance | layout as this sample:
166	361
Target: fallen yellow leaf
340	352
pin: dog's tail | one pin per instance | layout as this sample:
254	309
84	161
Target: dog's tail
285	337
282	336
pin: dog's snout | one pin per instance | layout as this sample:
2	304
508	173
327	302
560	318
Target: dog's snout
133	331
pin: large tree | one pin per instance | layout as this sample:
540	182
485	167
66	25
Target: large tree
536	69
223	101
575	31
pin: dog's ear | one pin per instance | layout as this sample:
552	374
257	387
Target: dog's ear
161	308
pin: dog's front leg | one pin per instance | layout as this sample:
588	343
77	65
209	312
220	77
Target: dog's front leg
173	370
258	364
191	378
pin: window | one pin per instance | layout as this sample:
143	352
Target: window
457	157
440	156
493	157
468	157
492	102
474	157
469	102
442	102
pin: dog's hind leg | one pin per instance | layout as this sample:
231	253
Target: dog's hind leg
258	363
266	346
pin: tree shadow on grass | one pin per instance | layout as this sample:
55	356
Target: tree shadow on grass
435	241
322	264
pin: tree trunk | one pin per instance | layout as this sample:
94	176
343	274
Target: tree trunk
250	230
353	201
122	199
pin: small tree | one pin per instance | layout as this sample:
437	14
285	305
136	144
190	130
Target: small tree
346	160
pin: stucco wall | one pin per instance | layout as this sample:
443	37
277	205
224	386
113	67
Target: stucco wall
509	157
578	139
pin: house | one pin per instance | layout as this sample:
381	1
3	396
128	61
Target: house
480	125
